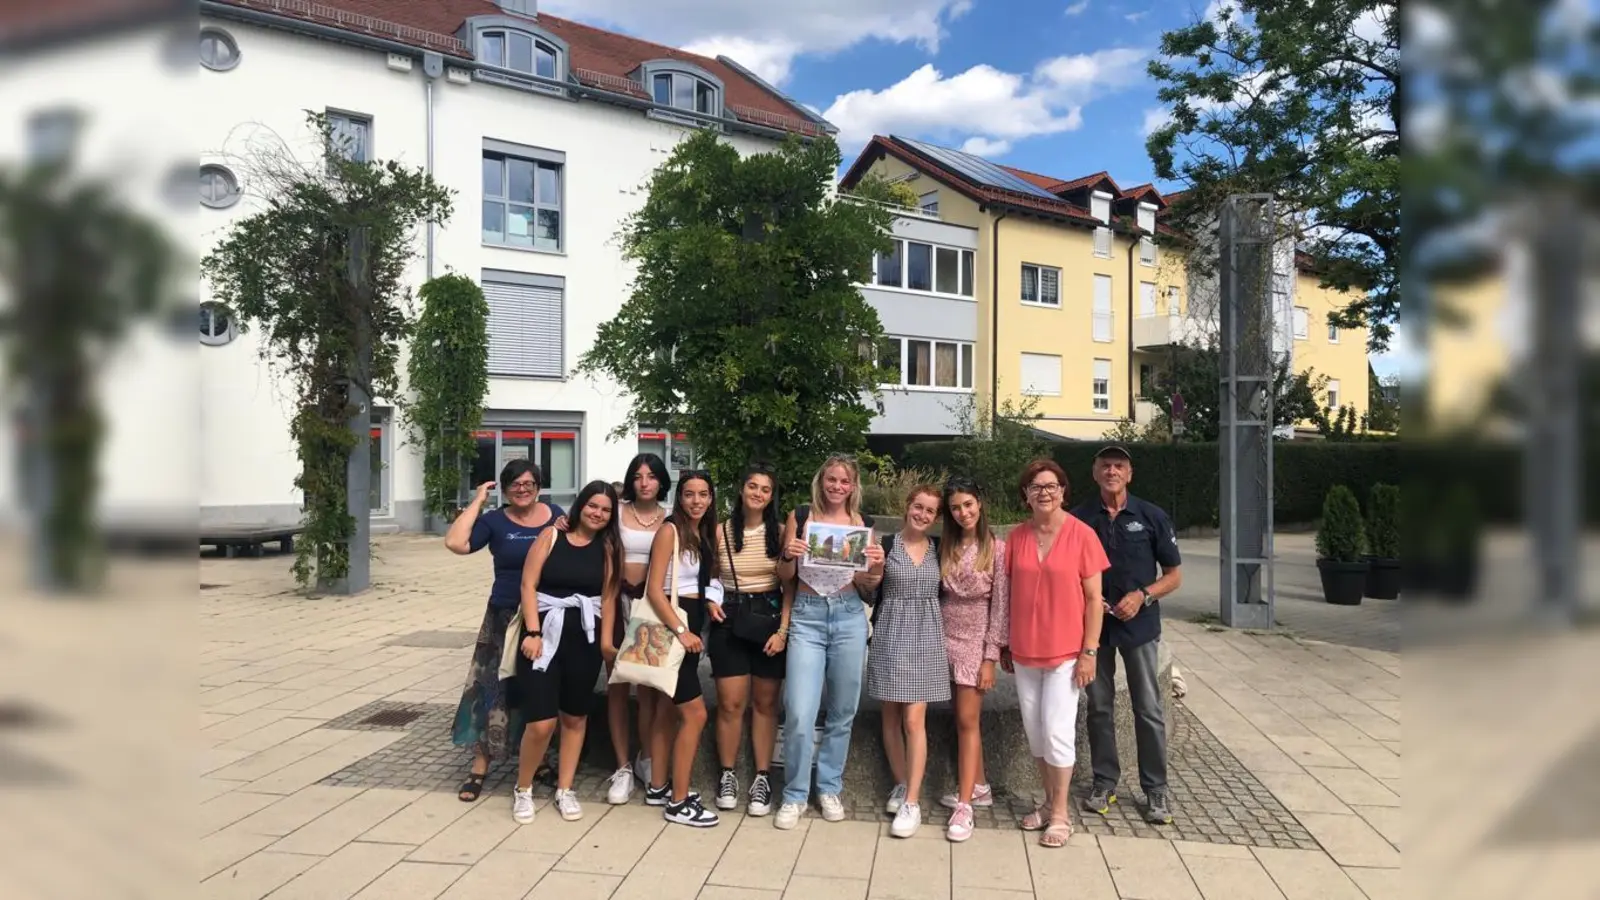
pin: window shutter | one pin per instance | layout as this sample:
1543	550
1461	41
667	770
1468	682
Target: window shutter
1147	299
525	330
1102	308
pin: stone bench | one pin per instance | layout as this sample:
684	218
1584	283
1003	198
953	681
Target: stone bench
1010	765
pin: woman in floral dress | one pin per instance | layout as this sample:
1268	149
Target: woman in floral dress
974	606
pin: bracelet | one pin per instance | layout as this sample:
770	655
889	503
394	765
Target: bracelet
537	634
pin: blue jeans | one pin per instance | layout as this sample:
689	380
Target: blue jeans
827	649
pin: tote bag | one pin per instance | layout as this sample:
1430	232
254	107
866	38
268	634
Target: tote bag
651	654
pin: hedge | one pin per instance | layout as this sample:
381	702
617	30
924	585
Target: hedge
1183	478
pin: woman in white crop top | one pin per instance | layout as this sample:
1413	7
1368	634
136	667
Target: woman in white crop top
827	645
692	530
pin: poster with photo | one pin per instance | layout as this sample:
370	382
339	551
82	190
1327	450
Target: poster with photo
841	546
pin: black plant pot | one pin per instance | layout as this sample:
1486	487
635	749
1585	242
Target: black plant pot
1343	583
1384	578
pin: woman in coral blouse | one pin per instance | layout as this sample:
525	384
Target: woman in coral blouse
1053	563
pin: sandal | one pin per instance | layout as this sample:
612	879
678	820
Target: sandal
1057	834
1037	820
472	787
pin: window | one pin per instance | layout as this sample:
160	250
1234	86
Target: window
1041	285
1172	301
919	266
219	52
526	318
52	134
1102	242
216	324
554	449
1333	333
1147	242
1147	251
218	188
1333	394
929	203
684	86
379	489
519	52
1302	319
1100	206
1147	218
1102	385
674	449
1147	379
925	363
522	196
351	135
1041	374
1102	308
1147	298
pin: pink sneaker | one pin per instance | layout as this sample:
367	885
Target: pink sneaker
960	827
982	796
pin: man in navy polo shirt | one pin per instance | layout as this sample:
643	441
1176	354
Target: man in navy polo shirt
1138	537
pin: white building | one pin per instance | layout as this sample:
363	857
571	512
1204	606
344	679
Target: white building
547	130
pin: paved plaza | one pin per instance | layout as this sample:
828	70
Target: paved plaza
327	772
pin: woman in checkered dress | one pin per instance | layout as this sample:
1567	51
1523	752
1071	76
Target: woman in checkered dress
907	665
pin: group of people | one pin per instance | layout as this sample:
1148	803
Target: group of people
787	635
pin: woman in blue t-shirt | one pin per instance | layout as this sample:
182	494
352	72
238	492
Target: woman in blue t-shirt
481	720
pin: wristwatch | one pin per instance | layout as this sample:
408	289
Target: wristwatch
1091	651
537	634
680	629
1149	598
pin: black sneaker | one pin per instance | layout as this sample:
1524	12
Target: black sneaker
657	796
728	790
690	812
760	796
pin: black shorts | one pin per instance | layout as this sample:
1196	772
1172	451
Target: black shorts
567	684
734	657
693	611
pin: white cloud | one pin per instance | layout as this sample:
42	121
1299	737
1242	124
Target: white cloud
1136	16
1077	9
984	106
1154	118
982	146
766	38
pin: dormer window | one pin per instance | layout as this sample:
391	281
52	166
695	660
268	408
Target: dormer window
518	52
684	86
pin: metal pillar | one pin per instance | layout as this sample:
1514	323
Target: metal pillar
1247	238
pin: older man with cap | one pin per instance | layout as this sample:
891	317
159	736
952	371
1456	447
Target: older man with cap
1138	537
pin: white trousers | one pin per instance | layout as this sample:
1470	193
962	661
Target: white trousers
1049	702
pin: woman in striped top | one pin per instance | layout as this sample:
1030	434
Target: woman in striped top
748	634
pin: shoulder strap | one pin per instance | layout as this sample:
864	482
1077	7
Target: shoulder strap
801	514
727	541
675	555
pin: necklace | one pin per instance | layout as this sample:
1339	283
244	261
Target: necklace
641	519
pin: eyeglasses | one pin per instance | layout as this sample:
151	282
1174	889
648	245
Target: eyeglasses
1038	489
523	486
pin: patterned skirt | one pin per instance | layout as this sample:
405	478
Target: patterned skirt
483	721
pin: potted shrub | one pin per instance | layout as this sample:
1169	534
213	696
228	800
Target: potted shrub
1341	546
1383	542
1459	535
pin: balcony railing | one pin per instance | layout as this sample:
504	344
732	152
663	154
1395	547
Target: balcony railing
1167	330
896	208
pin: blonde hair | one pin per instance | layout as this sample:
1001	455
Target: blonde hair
852	503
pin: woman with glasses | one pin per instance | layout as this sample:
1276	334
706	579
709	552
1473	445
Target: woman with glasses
679	719
481	720
569	590
974	599
827	644
748	632
1053	563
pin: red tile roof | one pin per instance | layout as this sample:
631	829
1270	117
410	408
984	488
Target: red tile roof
1078	184
881	145
599	59
1145	192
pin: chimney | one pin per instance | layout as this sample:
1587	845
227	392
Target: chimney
529	8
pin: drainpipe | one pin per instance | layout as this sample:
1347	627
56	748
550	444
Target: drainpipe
1133	367
994	325
432	68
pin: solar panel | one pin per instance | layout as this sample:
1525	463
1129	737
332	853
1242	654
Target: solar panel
979	170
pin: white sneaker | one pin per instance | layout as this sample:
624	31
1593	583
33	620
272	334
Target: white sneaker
641	769
567	804
982	797
621	790
896	797
788	816
522	804
906	821
832	808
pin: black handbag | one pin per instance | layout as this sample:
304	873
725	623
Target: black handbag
753	617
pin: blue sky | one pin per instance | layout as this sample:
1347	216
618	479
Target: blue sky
1054	86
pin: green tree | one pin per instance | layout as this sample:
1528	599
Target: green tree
994	446
1383	409
1296	98
745	327
80	267
448	373
320	271
1195	373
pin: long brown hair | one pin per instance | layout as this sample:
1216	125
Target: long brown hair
610	539
950	546
699	540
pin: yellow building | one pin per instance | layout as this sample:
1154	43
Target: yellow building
1077	306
